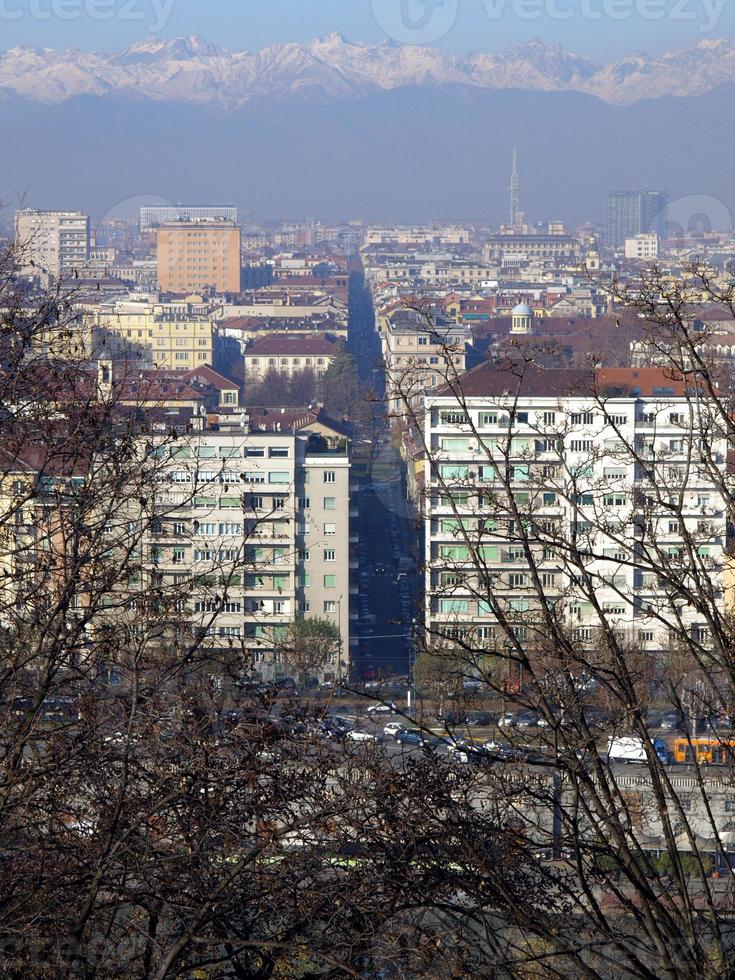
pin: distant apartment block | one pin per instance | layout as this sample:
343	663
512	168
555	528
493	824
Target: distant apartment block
510	251
642	247
52	245
153	216
632	213
199	256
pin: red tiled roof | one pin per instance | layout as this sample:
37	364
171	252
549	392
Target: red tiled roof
519	378
280	344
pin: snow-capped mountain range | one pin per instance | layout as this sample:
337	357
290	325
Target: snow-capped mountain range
191	70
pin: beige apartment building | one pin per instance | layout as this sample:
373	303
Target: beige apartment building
159	336
198	256
420	355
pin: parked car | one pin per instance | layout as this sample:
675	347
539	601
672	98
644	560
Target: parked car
507	719
383	708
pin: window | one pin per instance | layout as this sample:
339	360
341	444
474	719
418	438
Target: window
581	445
488	419
330	581
330	503
180	476
330	606
230	529
180	527
583	418
330	476
517	580
453	418
330	554
279	476
304	555
205	528
279	607
304	503
454	606
454	445
254	451
618	420
549	418
304	606
278	452
548	580
330	528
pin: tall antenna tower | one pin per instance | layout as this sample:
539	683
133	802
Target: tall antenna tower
515	187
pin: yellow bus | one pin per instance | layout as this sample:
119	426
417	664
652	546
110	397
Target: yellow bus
707	751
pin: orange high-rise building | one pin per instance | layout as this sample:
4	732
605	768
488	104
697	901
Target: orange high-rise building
199	255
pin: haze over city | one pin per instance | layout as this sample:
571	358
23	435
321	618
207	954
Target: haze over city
367	489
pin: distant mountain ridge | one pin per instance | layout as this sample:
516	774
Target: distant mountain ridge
331	69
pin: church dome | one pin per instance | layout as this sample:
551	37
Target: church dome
523	309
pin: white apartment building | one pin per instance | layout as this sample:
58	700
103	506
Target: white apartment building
603	479
52	245
642	247
256	526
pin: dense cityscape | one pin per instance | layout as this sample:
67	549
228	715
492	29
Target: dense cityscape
367	588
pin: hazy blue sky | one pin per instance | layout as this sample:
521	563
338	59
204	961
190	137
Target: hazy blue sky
601	28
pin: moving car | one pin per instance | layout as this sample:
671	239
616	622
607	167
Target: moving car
384	708
410	736
358	736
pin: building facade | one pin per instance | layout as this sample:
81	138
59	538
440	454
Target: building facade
199	256
288	356
256	526
52	245
158	336
642	247
561	490
420	355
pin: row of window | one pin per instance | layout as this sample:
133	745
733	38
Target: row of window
486	419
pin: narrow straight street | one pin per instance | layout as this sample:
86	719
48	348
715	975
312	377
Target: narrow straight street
387	576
